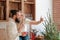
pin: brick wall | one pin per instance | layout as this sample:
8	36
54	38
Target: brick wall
56	12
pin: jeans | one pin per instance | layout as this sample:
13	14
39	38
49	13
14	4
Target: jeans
24	38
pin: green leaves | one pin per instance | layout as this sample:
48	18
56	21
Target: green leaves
50	28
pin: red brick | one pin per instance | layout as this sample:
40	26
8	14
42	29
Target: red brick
56	12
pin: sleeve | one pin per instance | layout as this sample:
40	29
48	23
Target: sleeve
9	31
27	20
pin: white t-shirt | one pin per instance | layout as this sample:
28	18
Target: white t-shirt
26	26
12	31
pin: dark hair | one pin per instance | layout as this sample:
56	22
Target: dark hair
13	12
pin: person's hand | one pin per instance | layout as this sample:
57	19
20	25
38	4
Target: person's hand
41	19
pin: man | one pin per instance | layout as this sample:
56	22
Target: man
24	28
12	32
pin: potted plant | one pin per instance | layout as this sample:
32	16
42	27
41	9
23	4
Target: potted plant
51	32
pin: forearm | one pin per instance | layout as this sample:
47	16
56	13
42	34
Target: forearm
35	22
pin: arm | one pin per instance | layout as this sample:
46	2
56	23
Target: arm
10	34
7	32
36	22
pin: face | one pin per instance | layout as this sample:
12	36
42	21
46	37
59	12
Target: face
22	16
17	17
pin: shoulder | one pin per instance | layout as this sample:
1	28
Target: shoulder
27	20
10	23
